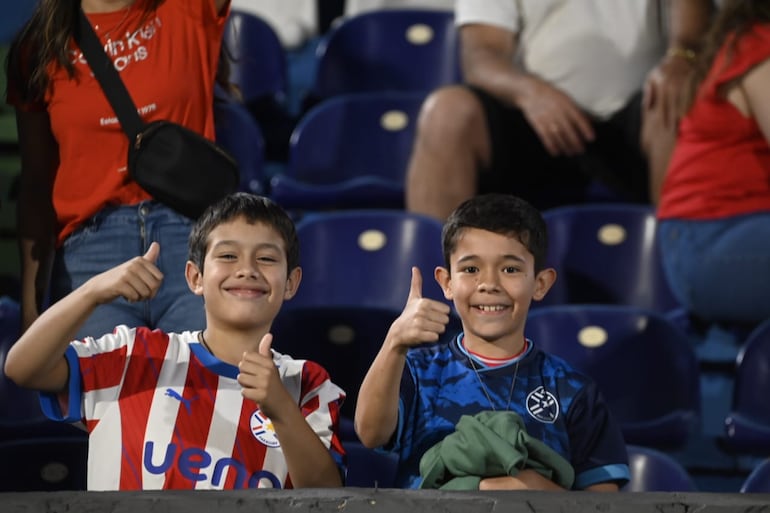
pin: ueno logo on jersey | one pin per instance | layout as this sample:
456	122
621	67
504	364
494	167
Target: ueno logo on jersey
191	463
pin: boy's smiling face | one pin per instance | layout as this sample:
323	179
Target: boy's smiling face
245	280
492	283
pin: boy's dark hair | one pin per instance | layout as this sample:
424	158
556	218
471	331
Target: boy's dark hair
254	209
503	214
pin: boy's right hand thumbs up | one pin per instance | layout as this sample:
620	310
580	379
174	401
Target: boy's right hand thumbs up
415	289
423	320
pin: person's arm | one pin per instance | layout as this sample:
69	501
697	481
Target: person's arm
309	462
37	360
36	220
487	54
756	89
423	320
664	88
530	480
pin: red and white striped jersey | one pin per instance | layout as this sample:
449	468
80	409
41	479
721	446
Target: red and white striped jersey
163	413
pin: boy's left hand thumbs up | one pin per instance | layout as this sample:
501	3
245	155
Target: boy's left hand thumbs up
265	345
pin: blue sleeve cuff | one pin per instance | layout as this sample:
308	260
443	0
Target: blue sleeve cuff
618	473
49	402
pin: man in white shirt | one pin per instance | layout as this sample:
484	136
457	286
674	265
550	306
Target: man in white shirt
552	99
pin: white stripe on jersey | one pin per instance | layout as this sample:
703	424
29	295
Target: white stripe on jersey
223	431
163	417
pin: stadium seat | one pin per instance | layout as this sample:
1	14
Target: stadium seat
259	68
643	364
392	49
257	59
759	479
20	413
747	425
656	471
43	464
14	15
356	279
606	254
368	468
350	151
238	133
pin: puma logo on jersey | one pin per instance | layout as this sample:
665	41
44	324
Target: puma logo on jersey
185	402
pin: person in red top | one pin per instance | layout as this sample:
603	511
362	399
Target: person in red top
714	207
79	211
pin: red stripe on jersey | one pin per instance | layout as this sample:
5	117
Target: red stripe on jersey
135	400
98	371
193	421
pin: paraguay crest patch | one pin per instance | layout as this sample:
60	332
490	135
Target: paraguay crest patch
263	430
542	405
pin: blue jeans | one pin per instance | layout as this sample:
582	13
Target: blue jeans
719	270
115	235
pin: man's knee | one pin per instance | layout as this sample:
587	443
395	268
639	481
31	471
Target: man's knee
450	113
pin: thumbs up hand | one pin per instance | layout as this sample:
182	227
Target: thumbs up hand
261	382
423	320
137	279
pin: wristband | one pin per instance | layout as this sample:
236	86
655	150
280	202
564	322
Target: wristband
684	53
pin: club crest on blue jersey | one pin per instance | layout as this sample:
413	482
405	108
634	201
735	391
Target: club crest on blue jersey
263	430
542	405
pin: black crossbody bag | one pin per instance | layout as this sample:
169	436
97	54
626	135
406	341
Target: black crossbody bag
175	165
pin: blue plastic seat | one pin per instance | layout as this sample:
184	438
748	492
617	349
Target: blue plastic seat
643	364
257	60
350	151
747	425
356	279
656	471
20	412
43	464
239	134
14	15
393	49
759	479
368	468
606	254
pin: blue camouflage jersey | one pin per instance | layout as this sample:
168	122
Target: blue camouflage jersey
558	404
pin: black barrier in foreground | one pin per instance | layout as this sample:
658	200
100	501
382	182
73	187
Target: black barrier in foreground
364	500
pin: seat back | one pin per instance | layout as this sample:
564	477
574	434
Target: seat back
44	464
368	468
239	134
356	279
606	253
643	364
759	479
350	151
393	49
747	425
656	471
20	412
257	59
14	16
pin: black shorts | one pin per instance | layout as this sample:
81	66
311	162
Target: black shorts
521	165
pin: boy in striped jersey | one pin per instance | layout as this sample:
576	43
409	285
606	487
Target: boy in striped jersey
211	409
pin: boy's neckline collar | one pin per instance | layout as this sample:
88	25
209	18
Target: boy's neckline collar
482	361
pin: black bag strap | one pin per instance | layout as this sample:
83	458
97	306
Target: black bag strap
108	77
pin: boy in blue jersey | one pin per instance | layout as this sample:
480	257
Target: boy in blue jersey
417	390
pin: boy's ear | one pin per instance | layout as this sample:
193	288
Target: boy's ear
194	278
543	282
292	283
444	279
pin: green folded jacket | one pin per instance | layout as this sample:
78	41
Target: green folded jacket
490	444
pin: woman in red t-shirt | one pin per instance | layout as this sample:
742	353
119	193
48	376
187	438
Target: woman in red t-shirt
714	209
79	211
